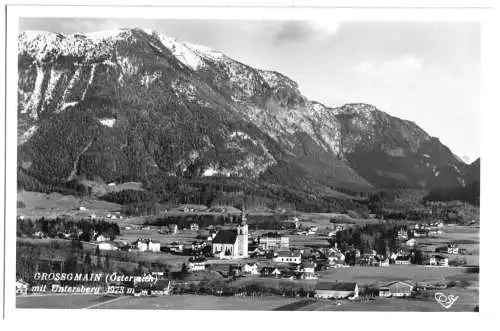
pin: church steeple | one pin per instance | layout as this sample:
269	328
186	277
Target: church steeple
243	235
243	216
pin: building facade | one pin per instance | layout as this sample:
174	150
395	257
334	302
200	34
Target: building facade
273	241
231	244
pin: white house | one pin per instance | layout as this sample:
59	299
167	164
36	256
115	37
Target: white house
452	249
273	240
384	263
403	260
39	234
270	271
402	234
287	257
250	268
196	263
144	245
101	238
439	260
307	270
396	289
411	243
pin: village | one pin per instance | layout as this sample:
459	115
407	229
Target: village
306	256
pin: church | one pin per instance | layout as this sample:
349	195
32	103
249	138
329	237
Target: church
232	243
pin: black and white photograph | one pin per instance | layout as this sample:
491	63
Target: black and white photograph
268	163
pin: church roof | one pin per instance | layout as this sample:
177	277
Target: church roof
225	237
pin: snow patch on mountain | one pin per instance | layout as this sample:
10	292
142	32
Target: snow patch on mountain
36	95
28	134
109	122
67	105
91	79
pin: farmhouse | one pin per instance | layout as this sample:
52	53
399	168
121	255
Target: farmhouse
336	290
288	257
307	270
198	245
230	244
411	243
402	234
403	260
270	271
143	245
383	262
452	248
196	263
273	240
173	228
40	235
102	237
421	233
438	260
396	289
250	268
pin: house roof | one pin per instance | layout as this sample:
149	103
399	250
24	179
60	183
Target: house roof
272	235
197	259
403	258
338	286
400	283
225	237
288	254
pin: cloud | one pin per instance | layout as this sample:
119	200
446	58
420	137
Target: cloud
300	31
397	70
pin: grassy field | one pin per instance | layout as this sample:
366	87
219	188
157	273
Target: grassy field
55	204
465	236
467	301
60	301
415	273
179	302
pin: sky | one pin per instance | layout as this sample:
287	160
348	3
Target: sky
426	72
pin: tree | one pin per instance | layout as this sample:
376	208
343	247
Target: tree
184	271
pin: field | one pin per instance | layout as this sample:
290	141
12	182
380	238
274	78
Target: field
464	236
189	302
55	204
60	301
414	273
467	301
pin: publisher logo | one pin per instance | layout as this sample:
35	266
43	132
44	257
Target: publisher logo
444	300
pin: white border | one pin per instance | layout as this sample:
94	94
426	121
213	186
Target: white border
252	320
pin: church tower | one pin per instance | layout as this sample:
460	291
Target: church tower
243	235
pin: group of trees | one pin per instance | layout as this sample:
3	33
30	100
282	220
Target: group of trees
79	230
470	193
380	237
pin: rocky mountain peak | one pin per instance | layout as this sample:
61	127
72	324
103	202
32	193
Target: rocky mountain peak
146	102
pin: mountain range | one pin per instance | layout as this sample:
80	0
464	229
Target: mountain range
128	104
